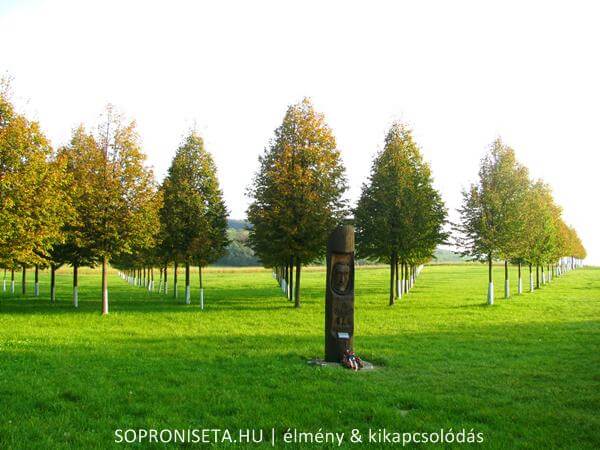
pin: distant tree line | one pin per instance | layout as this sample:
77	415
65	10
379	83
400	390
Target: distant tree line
507	216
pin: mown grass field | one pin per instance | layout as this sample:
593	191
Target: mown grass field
525	372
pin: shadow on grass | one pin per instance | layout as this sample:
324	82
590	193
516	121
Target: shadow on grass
501	376
140	302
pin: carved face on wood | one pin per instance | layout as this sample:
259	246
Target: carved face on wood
340	278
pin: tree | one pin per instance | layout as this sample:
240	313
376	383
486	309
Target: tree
193	214
33	203
491	212
540	232
399	218
574	248
296	196
512	184
121	191
82	157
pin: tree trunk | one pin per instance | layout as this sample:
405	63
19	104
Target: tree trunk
392	277
396	279
12	281
405	278
530	278
297	293
24	280
286	280
187	282
291	285
201	287
151	284
491	281
166	285
520	282
506	280
104	285
542	272
401	275
75	287
52	283
36	288
537	276
175	279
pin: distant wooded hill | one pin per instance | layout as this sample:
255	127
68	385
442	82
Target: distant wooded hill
239	254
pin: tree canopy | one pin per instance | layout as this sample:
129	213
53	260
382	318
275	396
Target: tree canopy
193	214
400	215
297	194
33	200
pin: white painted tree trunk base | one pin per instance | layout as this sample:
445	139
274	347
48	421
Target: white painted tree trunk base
12	287
75	297
531	283
187	295
399	289
490	297
506	288
36	290
520	286
105	293
4	286
201	298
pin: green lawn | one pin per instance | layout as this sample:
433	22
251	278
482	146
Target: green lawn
524	372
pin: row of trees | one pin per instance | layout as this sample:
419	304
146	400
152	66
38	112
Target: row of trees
297	200
507	216
95	201
84	204
400	217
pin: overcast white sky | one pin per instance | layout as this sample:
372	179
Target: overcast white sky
459	73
